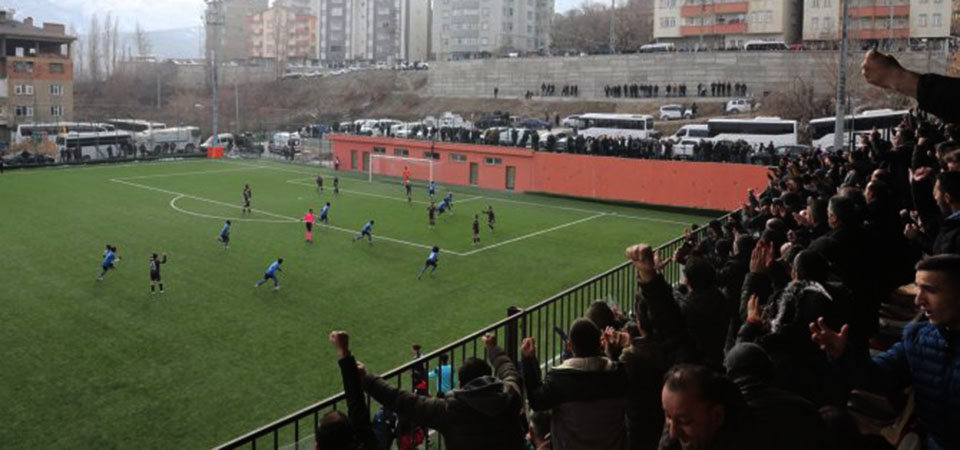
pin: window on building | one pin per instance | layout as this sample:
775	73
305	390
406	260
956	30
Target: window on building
23	89
431	155
380	150
23	67
56	67
24	111
815	23
492	161
922	20
401	152
56	111
56	89
456	157
937	20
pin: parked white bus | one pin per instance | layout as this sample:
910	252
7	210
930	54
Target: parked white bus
156	137
657	48
756	131
822	130
765	46
616	125
49	131
95	145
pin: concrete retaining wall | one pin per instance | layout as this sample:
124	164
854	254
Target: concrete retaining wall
762	71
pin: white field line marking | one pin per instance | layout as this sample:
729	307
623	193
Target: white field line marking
479	197
178	174
173	204
536	233
74	168
287	219
217	202
651	219
298	182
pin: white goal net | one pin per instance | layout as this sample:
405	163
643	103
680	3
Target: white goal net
421	169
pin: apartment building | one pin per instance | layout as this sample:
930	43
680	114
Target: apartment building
365	30
726	24
230	37
464	29
415	24
282	33
888	21
36	74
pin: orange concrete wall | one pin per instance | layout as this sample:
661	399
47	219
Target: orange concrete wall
686	184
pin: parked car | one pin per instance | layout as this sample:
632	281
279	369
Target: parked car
675	112
738	106
570	121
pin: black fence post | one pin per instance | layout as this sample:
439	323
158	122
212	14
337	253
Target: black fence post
510	346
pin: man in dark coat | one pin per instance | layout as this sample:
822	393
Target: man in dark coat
705	310
656	308
775	415
704	410
483	414
585	392
925	359
946	191
354	431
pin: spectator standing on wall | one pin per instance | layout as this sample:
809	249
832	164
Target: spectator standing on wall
496	92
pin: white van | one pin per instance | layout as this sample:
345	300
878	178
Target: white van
675	112
738	106
692	132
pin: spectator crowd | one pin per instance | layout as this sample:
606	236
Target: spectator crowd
714	89
841	277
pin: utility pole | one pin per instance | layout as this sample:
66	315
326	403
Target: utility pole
214	20
613	26
158	89
838	129
236	102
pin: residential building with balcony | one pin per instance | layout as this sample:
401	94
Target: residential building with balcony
892	23
282	33
726	24
230	38
36	74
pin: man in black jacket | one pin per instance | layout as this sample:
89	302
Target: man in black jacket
946	191
775	415
703	410
483	414
354	431
656	308
585	392
937	94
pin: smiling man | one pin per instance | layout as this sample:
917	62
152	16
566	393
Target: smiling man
703	410
926	358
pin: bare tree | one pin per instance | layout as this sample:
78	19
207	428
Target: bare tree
115	44
93	48
107	44
142	41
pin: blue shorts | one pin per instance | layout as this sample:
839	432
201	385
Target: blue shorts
225	237
323	217
270	276
431	262
108	266
365	233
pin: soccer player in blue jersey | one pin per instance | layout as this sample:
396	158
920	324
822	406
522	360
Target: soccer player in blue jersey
271	274
109	258
449	201
431	262
225	235
323	214
367	231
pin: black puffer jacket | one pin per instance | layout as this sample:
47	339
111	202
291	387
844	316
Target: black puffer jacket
482	415
708	319
661	315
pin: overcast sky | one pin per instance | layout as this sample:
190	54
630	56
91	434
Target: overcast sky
152	14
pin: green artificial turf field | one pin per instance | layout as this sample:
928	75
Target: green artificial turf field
106	364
